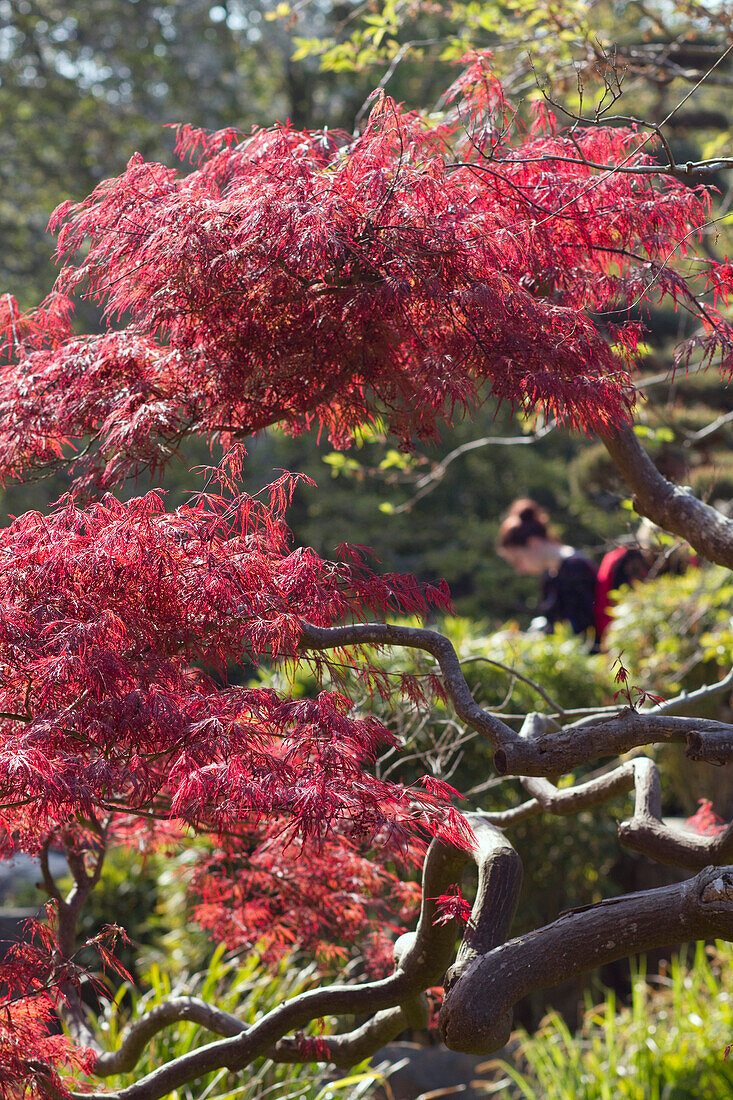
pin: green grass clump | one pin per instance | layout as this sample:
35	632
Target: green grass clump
667	1044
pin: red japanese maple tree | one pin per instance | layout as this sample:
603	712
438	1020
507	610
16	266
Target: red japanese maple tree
318	280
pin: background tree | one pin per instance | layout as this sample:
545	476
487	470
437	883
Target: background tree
82	87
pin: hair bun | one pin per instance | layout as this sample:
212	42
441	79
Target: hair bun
524	521
527	510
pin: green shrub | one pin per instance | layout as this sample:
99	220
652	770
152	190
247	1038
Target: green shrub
676	632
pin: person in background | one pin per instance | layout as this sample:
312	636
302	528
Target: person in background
568	577
625	565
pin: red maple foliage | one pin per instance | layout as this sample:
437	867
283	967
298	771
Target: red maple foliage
326	898
120	627
319	279
35	1062
110	617
32	1060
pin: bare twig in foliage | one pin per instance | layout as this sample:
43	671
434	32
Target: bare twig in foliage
430	481
541	753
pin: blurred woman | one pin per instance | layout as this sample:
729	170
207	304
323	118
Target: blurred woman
568	577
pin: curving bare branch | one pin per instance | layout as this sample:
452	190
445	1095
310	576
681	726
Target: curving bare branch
537	751
671	507
354	1046
711	746
139	1033
430	481
477	1012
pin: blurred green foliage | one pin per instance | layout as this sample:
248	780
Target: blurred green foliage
145	893
676	631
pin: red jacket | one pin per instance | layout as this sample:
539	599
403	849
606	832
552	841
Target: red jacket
620	566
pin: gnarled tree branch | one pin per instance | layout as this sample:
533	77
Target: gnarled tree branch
556	752
477	1012
648	834
535	751
673	508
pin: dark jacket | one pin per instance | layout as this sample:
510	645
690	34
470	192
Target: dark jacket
569	595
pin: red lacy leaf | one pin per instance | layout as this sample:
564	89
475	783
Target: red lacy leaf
439	787
452	906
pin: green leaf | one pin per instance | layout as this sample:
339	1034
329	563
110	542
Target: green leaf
396	459
347	1082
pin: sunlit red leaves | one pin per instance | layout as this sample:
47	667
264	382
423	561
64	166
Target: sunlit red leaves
439	787
452	906
330	899
310	765
316	279
106	611
455	830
